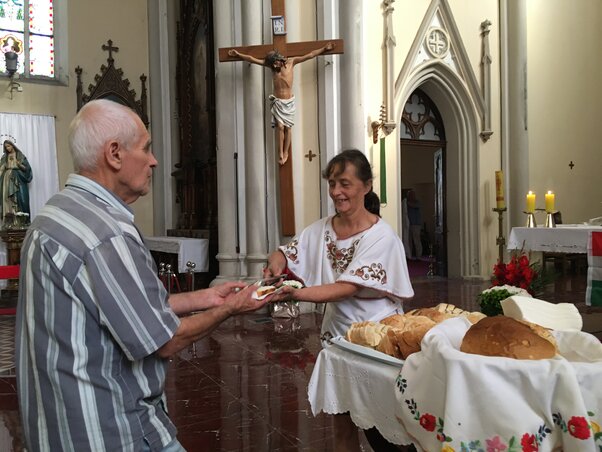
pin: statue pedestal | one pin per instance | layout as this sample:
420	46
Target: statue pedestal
13	238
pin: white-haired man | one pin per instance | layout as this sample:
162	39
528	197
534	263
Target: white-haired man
94	323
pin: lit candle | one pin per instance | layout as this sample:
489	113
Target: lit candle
499	190
549	202
530	202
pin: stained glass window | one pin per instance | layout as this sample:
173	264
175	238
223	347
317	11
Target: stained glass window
27	28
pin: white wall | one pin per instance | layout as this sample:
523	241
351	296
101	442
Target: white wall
565	105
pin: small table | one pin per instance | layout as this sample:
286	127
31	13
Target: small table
187	249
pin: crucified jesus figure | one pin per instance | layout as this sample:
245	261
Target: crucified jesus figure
282	99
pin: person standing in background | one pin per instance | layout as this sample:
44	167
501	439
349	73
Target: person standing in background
415	217
405	224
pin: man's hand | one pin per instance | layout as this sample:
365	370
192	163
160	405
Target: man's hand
216	296
233	53
329	46
243	301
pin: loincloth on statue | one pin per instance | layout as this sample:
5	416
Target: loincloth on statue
283	111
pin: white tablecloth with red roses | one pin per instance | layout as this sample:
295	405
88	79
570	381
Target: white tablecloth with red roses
444	399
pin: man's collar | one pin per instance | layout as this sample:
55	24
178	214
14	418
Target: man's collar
101	192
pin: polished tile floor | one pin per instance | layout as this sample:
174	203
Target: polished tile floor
244	388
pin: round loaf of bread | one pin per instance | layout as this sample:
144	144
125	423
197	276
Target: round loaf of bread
510	338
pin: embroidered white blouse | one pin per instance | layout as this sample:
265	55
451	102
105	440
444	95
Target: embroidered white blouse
374	259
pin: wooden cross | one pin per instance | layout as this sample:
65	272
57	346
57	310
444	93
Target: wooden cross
292	49
111	49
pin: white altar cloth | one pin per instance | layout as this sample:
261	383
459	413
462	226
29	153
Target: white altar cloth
564	238
187	249
444	399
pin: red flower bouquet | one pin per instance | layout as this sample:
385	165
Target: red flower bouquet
519	272
517	277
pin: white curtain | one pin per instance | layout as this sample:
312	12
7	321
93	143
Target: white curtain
35	136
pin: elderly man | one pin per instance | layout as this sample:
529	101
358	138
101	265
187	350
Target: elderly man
94	323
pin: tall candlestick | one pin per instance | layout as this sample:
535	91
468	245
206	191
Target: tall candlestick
549	202
530	202
500	202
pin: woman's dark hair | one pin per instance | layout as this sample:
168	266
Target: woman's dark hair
372	203
363	171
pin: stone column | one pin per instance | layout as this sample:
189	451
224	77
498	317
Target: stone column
227	129
515	151
253	161
352	109
162	36
329	101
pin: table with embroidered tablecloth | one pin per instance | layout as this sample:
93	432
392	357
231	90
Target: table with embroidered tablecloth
444	399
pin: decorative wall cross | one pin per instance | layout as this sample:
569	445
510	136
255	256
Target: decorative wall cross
111	49
310	155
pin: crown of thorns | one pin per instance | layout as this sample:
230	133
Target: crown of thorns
274	56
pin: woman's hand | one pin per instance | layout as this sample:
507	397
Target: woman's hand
276	264
284	293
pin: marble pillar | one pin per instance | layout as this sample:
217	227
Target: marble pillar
228	126
352	109
254	157
514	106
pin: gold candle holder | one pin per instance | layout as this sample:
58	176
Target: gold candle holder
531	223
550	222
500	240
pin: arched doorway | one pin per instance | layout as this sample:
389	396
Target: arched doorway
422	148
457	108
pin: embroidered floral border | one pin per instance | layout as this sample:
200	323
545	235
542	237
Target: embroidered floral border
339	258
577	426
373	271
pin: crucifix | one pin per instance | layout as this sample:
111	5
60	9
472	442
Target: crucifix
281	56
